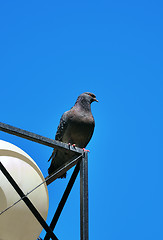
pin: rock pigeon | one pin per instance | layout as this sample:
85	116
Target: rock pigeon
76	128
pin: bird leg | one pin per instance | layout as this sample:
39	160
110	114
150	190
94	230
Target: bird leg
73	145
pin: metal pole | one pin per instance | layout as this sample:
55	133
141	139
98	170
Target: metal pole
28	202
84	197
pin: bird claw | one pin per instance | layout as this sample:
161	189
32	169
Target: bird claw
85	150
73	145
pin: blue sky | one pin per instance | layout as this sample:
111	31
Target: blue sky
52	51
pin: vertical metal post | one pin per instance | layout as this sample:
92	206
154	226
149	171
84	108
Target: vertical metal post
84	197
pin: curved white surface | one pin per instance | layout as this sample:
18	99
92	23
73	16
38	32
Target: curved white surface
18	223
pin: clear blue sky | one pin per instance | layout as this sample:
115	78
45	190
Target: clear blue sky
50	52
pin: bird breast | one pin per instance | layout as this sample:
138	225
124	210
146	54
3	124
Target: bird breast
79	130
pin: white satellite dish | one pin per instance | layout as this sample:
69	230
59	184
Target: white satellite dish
18	222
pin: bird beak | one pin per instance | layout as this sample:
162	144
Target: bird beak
95	100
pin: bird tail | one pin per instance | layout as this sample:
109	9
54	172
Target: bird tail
53	167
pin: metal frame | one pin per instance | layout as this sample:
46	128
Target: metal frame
81	162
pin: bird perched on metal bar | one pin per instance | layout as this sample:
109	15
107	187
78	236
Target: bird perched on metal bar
76	128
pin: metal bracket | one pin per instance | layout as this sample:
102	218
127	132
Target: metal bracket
81	165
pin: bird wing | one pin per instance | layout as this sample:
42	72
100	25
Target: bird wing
60	132
62	127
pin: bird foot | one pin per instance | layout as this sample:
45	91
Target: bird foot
85	150
73	145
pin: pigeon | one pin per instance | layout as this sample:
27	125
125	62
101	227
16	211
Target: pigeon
76	127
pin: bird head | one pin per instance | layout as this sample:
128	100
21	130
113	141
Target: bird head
88	96
85	100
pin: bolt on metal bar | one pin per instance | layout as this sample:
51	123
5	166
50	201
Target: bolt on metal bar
63	199
84	235
28	202
38	138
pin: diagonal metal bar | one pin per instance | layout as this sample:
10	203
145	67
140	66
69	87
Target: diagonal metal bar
38	138
28	202
84	235
49	179
63	199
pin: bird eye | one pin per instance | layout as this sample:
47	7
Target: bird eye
92	95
